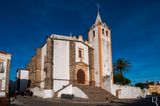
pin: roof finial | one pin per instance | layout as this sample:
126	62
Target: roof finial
98	7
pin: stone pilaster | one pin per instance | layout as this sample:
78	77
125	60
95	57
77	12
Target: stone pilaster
33	71
49	64
30	73
38	67
72	62
91	67
7	75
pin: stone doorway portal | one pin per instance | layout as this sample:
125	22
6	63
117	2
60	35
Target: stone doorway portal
80	77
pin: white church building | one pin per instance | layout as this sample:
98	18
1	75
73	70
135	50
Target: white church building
70	65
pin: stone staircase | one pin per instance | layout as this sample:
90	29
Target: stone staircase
96	93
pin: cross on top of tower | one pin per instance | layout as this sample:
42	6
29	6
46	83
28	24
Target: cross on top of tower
98	7
98	19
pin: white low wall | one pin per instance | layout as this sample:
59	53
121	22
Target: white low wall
50	93
79	93
44	93
37	92
67	90
73	90
128	91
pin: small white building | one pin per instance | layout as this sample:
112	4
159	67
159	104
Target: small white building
5	59
22	79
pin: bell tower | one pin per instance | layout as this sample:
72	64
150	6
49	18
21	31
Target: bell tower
99	37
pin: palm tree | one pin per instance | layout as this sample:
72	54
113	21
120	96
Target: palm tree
121	65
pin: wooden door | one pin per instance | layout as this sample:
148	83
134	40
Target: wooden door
80	77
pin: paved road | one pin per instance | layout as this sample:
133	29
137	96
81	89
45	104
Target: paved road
36	101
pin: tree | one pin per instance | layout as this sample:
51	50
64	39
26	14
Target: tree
121	65
142	85
120	79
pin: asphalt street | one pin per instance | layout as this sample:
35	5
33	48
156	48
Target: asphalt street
36	101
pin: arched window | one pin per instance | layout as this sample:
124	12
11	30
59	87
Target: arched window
106	33
93	33
102	31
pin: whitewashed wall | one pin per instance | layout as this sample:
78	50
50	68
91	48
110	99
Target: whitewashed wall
73	90
42	93
61	64
106	53
94	43
106	58
128	91
43	74
67	90
79	93
24	74
107	83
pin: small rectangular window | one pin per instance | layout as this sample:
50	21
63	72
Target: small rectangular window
93	33
80	53
102	31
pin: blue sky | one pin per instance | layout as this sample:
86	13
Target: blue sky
135	26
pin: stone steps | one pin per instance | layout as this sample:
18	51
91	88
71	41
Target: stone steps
96	93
